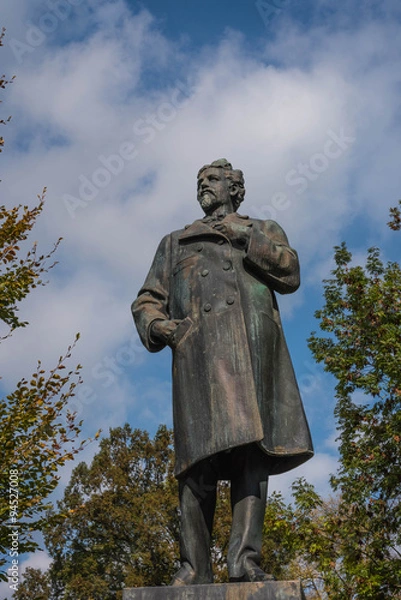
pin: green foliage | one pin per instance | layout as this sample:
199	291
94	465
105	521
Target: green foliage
37	435
18	276
395	214
362	317
35	586
298	541
280	541
118	521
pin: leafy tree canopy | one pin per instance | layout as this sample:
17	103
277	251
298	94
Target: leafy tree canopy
362	349
118	521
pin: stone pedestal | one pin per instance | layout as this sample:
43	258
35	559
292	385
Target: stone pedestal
269	590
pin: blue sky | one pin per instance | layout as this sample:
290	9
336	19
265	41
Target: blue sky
117	104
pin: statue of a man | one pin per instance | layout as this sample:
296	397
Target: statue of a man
238	415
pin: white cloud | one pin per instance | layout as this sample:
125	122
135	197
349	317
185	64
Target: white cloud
316	471
266	119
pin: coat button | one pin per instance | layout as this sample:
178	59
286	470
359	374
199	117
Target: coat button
207	307
230	300
199	247
227	266
205	272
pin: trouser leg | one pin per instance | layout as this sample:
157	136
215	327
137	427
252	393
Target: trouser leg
197	504
248	500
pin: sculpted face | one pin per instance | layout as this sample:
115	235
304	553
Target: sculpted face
213	189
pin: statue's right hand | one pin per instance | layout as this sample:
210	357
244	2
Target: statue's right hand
162	330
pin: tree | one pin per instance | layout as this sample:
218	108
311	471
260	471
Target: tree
37	432
35	586
19	275
37	435
118	521
287	536
362	315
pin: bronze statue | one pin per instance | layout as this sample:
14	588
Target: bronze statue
238	415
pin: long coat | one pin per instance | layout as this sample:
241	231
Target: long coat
233	380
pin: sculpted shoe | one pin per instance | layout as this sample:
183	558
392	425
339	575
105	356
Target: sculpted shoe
253	574
187	576
184	576
256	574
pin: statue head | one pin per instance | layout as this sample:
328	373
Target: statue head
229	186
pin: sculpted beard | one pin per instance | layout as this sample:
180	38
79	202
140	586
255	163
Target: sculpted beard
208	201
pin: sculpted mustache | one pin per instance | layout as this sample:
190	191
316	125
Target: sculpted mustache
210	192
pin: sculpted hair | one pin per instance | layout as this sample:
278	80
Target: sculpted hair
235	176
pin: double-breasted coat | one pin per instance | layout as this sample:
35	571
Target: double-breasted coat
233	380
